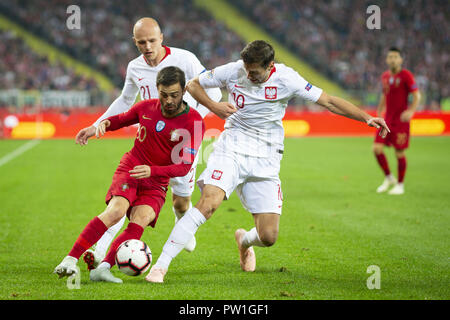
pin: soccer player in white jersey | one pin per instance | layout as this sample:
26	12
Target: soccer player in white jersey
247	155
141	78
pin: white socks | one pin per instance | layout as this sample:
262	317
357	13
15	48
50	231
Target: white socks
182	232
251	238
103	244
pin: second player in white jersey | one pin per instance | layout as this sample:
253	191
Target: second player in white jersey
141	79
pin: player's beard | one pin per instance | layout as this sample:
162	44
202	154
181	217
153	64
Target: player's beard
172	111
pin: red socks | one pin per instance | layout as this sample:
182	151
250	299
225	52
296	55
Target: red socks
88	237
382	161
401	169
133	231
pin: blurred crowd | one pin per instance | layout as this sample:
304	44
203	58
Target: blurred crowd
334	38
21	67
330	35
104	40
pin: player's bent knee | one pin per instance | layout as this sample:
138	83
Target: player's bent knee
181	204
142	215
400	153
269	238
112	214
377	148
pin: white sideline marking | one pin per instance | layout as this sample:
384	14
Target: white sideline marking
17	152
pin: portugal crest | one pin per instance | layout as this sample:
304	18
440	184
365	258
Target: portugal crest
160	125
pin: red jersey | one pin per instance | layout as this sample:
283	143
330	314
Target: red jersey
396	88
167	145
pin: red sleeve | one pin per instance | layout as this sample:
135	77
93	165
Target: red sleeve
411	85
174	170
125	119
189	148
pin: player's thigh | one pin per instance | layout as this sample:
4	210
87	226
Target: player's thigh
142	215
116	209
261	195
222	171
267	225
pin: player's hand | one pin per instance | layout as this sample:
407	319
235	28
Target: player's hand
84	134
379	123
223	109
140	172
406	116
101	129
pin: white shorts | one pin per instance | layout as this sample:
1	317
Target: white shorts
184	186
255	179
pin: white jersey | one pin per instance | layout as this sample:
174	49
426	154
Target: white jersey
141	78
256	129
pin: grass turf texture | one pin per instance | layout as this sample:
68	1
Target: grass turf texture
333	226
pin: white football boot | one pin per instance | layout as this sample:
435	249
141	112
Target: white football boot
92	259
388	182
397	189
67	267
103	274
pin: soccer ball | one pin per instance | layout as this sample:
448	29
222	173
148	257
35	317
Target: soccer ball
133	257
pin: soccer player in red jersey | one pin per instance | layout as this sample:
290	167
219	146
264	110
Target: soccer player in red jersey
398	83
169	135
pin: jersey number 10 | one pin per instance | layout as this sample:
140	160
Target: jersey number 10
239	100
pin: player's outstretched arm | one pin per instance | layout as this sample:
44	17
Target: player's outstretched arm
347	109
222	109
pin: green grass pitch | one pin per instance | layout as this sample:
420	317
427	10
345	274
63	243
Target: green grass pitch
333	227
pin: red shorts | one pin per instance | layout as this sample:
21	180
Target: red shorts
398	137
136	191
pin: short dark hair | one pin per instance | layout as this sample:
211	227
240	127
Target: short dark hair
171	75
258	51
395	49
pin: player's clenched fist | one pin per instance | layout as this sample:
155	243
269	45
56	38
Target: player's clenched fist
140	172
223	109
101	129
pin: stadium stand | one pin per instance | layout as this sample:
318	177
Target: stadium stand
104	40
333	37
323	33
20	67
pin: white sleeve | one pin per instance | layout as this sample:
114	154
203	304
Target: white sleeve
214	93
194	67
123	102
302	88
217	77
